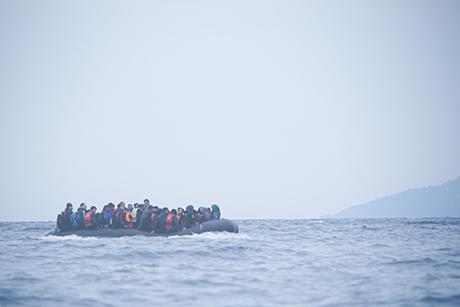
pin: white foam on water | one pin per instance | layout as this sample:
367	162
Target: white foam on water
221	236
67	238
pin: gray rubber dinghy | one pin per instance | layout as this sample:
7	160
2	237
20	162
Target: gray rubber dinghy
221	225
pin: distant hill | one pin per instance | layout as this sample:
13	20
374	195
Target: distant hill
434	201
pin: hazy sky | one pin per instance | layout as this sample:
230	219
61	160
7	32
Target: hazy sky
270	108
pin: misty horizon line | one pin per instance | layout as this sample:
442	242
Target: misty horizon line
322	217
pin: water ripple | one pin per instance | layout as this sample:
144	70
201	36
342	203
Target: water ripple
270	263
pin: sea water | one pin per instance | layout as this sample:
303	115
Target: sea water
364	262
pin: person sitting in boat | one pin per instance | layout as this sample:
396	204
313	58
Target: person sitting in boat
91	218
179	214
207	214
118	219
145	223
74	219
215	212
129	216
171	222
189	218
135	214
155	218
106	216
63	221
81	216
160	220
202	215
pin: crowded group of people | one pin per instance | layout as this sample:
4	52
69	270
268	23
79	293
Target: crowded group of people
142	216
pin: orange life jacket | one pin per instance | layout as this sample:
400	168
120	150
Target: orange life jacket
129	219
88	218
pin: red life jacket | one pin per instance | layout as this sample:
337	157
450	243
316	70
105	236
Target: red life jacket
88	218
169	220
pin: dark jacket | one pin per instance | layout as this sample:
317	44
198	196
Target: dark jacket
189	219
64	222
81	217
160	222
145	223
118	218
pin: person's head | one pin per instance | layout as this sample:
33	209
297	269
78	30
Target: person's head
180	210
121	205
146	202
201	209
136	205
83	206
130	207
190	208
111	205
208	209
68	206
165	210
93	208
173	211
215	208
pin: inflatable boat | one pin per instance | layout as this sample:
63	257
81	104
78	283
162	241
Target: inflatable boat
210	226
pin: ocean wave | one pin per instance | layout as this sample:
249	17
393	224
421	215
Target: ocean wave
67	238
270	262
446	299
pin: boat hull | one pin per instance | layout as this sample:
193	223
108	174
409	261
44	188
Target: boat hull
210	226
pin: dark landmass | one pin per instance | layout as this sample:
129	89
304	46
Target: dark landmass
434	201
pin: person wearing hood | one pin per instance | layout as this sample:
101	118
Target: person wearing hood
64	222
118	219
189	218
215	212
207	214
101	219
